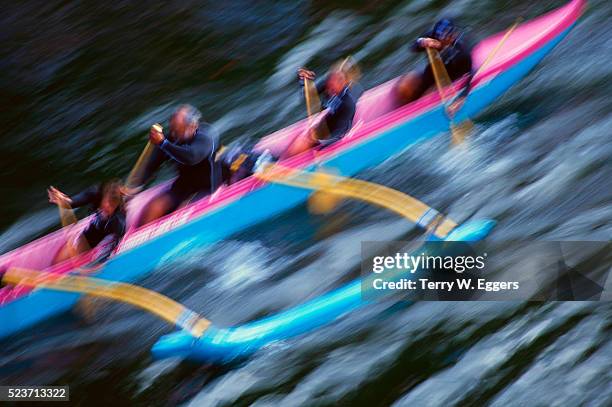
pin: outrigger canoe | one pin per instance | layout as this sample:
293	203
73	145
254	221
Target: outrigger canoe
380	131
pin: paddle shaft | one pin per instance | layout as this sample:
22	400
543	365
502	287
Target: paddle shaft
313	106
135	177
313	103
443	83
499	45
68	218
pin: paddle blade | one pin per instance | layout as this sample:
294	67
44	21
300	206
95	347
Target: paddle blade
460	132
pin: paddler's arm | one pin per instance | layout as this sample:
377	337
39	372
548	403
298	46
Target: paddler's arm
426	40
89	196
190	154
304	73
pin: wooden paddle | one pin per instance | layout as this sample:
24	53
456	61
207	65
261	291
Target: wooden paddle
151	301
313	102
380	195
318	202
321	202
501	42
330	189
458	131
135	177
67	218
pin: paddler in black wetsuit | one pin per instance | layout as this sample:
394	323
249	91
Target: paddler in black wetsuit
107	200
191	146
339	92
339	100
455	52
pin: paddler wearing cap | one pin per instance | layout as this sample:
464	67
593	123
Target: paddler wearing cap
455	52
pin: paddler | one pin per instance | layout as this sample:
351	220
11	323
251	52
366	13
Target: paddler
339	101
191	146
107	200
455	52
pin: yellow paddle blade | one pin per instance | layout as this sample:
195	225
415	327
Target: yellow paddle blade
439	70
380	195
462	130
151	301
458	132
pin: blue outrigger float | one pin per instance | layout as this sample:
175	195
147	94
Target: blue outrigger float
380	131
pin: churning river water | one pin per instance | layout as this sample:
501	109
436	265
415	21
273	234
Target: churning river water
81	84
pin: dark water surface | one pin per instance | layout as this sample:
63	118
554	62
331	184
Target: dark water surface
82	82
